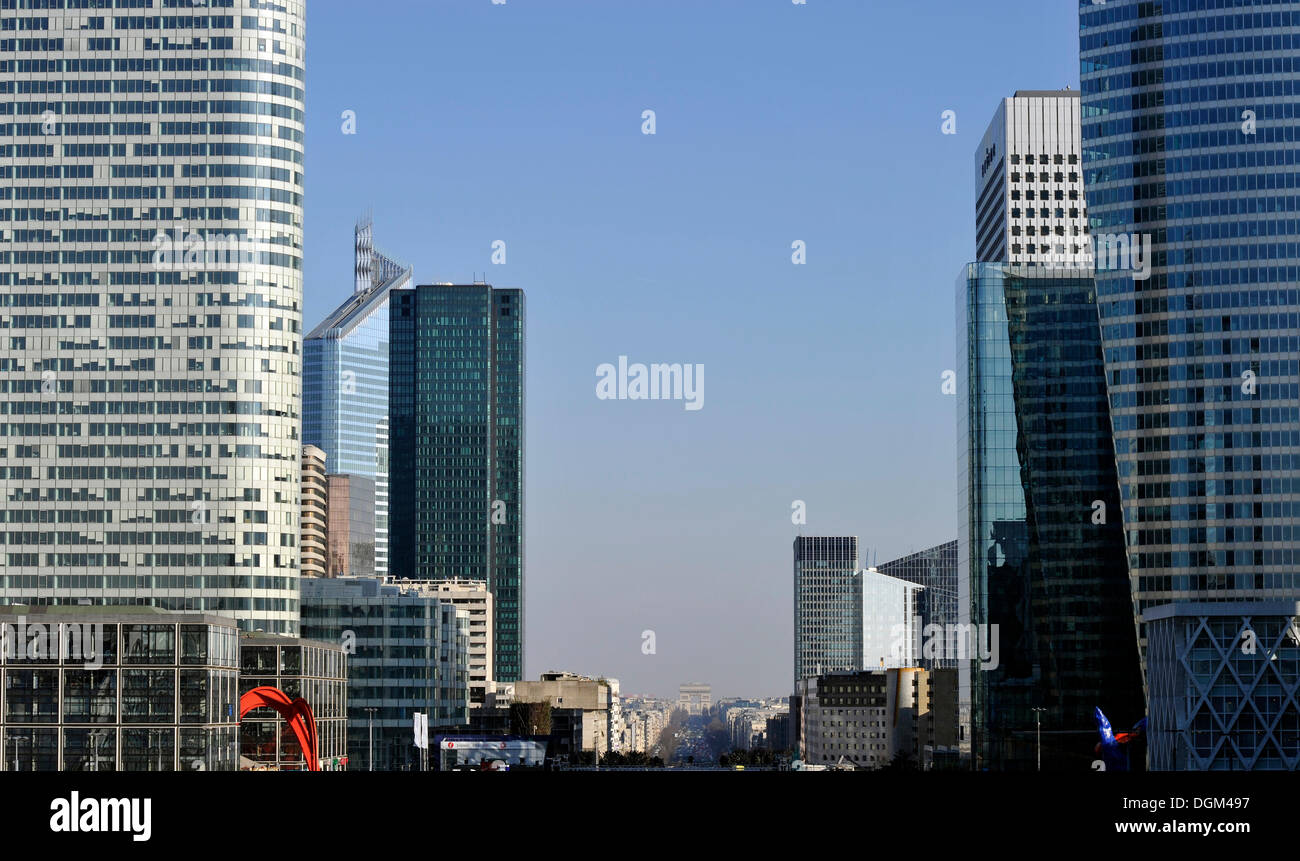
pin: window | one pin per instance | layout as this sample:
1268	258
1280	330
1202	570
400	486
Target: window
149	749
148	696
90	696
90	749
32	696
31	749
194	644
149	644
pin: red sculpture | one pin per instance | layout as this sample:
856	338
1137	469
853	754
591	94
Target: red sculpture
296	712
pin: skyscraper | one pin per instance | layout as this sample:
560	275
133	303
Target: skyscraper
456	447
827	605
152	300
936	569
1029	200
1040	553
345	379
1040	550
1189	138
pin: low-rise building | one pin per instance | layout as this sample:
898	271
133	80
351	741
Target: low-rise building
113	688
310	669
867	719
598	699
407	652
644	720
473	597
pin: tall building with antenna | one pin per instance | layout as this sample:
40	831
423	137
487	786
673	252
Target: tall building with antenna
345	379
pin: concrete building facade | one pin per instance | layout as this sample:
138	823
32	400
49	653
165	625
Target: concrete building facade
314	519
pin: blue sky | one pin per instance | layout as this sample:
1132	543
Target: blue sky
775	122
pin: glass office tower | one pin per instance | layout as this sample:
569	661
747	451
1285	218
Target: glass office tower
1039	549
1189	137
935	569
456	446
150	295
345	380
827	605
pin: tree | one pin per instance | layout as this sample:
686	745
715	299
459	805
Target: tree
530	718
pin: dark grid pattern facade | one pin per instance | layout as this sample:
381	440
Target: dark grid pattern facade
456	404
827	606
1040	552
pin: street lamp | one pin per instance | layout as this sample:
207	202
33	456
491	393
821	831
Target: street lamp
1038	722
370	720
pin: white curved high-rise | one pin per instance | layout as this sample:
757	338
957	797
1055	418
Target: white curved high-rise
151	293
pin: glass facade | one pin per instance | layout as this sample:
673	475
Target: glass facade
315	671
936	570
151	288
409	652
1201	356
891	616
351	526
1040	553
345	381
827	606
456	447
153	693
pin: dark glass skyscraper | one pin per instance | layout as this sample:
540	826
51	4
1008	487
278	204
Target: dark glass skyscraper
1040	553
1189	135
456	407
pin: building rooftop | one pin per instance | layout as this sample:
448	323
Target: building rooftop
113	613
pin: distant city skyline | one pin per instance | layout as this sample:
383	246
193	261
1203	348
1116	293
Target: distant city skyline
774	123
